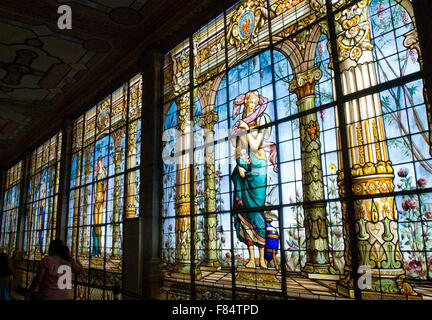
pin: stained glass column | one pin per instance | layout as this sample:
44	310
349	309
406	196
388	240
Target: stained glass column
75	217
50	203
77	159
371	169
130	209
87	170
183	193
182	200
118	137
211	262
20	247
315	219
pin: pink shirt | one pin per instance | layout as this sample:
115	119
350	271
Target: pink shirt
48	288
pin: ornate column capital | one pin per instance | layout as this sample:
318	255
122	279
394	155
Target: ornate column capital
208	120
132	138
353	33
87	170
183	112
303	84
118	136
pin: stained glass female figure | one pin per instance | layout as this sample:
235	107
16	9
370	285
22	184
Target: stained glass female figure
250	174
100	197
41	216
12	215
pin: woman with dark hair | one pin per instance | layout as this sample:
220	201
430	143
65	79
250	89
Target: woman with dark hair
50	278
6	277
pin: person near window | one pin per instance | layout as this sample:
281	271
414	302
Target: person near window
53	278
6	277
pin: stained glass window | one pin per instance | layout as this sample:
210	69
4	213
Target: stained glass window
9	217
41	202
272	112
104	187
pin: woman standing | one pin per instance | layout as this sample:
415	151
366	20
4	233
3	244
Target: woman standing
6	277
47	277
100	200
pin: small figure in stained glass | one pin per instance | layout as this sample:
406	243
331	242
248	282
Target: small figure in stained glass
12	215
41	217
100	198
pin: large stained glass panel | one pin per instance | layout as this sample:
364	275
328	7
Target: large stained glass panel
9	213
104	187
41	202
255	165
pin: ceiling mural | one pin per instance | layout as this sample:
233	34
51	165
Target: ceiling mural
36	62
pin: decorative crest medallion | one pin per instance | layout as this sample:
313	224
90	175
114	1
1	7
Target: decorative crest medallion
246	25
103	115
250	16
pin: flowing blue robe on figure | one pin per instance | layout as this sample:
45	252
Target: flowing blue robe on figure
250	192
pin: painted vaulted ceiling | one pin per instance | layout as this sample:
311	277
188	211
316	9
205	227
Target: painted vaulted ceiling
48	74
